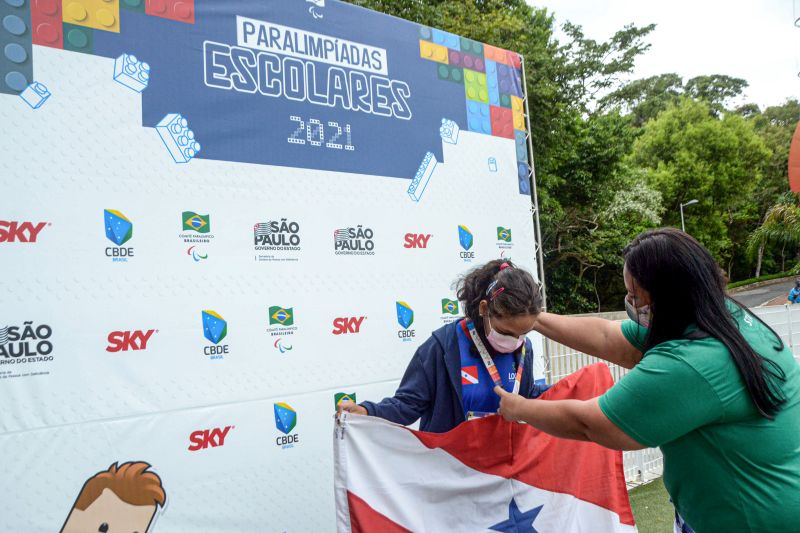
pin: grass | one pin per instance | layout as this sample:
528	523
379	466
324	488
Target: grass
651	508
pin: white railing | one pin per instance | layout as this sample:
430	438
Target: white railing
644	465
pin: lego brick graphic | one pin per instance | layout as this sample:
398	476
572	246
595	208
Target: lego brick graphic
178	138
509	80
16	64
425	33
285	417
465	237
46	23
461	59
517	109
478	117
119	229
471	47
405	315
521	142
449	131
132	5
492	164
78	39
491	82
475	86
131	72
97	14
524	181
446	39
422	177
433	52
450	73
215	328
505	100
179	10
35	95
502	122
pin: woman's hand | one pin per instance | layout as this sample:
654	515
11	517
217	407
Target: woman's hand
510	404
351	407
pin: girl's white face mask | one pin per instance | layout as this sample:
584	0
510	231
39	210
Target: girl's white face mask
503	343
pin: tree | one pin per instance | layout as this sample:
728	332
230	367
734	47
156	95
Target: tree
687	153
715	90
644	99
781	226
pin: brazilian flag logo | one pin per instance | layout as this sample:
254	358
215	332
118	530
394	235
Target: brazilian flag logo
503	234
449	307
339	397
194	222
281	316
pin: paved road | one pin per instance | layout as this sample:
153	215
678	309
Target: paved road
756	297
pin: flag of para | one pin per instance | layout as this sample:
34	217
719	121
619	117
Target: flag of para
484	475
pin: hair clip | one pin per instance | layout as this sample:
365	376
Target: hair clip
491	286
496	293
504	266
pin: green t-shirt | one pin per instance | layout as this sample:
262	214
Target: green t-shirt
725	467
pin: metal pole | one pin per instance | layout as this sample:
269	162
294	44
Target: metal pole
683	224
534	192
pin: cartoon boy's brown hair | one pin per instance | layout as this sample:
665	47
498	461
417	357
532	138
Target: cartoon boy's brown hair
131	482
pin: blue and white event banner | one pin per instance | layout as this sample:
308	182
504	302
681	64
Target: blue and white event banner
217	220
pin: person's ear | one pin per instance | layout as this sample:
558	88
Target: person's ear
483	308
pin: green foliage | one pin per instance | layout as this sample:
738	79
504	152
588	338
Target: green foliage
750	281
614	158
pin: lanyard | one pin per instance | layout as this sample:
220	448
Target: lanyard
488	362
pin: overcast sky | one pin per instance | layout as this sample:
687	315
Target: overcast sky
751	39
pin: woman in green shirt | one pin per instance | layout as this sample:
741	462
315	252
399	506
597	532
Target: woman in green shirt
710	384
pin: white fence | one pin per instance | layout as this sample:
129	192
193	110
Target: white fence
647	464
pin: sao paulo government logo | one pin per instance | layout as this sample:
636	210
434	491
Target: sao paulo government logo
119	230
215	329
27	343
405	317
466	241
354	241
276	236
285	421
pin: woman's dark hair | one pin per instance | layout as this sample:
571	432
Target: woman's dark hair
514	293
686	287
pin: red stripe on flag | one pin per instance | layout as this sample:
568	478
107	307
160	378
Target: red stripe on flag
583	469
365	519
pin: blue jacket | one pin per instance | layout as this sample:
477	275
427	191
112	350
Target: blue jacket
431	385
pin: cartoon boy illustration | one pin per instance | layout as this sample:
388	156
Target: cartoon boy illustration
123	498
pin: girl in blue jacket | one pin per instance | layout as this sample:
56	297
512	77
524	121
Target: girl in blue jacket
452	376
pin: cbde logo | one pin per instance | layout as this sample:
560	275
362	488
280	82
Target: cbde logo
285	421
208	438
345	325
122	341
405	317
416	240
24	232
119	230
215	328
466	241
